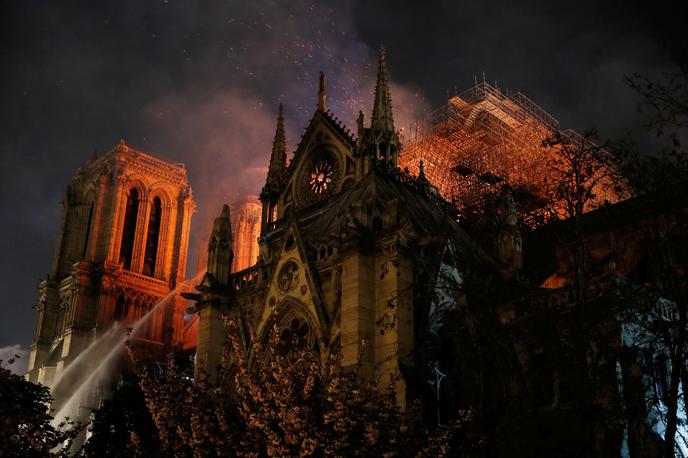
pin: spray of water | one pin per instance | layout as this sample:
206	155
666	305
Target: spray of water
97	367
84	362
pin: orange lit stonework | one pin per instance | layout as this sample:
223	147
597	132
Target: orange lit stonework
121	249
245	216
246	230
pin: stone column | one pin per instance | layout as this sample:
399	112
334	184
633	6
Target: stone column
394	311
180	268
358	309
118	210
211	339
93	243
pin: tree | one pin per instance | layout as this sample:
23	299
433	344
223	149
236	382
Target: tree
584	175
122	426
26	427
277	398
665	103
661	178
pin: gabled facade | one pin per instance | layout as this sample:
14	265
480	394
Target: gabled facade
345	236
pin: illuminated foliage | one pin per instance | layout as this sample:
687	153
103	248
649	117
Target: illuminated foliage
268	402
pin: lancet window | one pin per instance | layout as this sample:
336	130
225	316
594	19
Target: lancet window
129	230
152	238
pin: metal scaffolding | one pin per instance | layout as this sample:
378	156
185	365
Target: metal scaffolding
479	141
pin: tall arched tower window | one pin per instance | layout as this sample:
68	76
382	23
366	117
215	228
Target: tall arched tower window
152	237
88	230
129	230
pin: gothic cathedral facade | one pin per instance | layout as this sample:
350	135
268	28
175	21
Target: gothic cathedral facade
346	239
121	249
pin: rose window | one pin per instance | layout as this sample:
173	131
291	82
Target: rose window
321	176
288	276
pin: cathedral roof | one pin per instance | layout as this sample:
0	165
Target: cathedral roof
418	211
144	162
333	123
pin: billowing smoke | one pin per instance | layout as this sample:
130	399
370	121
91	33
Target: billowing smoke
221	124
224	139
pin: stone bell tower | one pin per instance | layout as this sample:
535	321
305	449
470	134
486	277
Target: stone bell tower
122	248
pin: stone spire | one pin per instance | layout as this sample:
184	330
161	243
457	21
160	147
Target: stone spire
220	255
275	179
360	128
382	119
379	145
322	94
278	158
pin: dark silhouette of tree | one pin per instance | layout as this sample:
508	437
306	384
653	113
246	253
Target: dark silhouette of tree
665	102
25	423
583	175
662	178
123	426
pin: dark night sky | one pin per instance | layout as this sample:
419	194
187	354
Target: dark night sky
199	82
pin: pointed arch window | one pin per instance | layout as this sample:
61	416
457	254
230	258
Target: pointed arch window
89	223
295	332
294	335
129	230
152	238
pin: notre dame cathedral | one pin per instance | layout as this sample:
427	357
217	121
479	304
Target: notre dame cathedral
121	249
535	329
342	238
